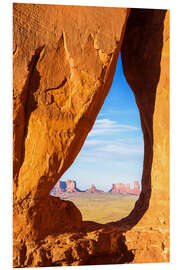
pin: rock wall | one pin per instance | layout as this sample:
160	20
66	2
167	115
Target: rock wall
63	66
64	59
145	57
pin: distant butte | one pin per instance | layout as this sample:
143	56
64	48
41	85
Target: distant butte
71	187
93	189
64	186
125	188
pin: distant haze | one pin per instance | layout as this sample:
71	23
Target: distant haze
114	149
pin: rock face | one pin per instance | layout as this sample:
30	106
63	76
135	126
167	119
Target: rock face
125	188
93	189
64	59
145	58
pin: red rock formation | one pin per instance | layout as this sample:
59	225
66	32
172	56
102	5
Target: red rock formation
125	188
64	60
93	189
71	186
128	188
145	58
136	190
64	186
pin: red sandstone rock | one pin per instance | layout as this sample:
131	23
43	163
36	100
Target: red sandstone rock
145	58
93	189
64	60
125	188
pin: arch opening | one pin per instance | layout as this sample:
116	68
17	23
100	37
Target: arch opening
104	181
39	218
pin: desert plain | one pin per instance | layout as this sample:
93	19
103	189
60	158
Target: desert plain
102	207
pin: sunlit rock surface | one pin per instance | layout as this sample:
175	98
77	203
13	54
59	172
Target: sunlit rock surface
64	60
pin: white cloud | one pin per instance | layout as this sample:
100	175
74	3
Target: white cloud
111	150
122	149
106	126
94	142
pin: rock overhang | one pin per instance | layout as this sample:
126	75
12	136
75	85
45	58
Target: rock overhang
62	74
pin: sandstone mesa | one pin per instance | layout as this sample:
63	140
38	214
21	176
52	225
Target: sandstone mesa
71	187
126	189
65	186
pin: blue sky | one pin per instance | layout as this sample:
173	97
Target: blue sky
114	149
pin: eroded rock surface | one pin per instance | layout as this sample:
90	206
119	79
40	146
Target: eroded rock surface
64	60
145	58
63	69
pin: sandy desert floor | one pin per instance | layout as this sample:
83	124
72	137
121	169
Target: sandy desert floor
102	207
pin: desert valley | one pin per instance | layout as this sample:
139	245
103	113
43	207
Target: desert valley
97	205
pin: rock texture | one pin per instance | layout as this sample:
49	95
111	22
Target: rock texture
126	189
93	189
145	57
64	60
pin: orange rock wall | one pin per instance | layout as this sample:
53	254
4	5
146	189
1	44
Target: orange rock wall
62	74
64	60
145	54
